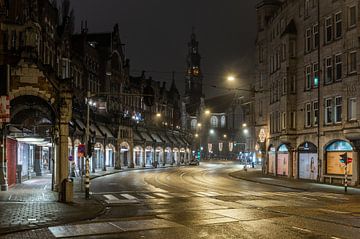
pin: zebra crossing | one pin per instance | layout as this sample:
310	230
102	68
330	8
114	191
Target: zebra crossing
129	197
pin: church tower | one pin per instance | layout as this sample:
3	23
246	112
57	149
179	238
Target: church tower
193	78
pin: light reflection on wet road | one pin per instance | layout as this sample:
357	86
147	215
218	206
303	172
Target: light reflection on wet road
205	202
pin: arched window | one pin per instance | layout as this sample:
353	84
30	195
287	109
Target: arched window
223	121
193	123
214	122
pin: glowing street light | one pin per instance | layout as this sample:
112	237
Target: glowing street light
196	135
244	125
199	125
212	131
246	131
207	112
231	78
225	136
158	115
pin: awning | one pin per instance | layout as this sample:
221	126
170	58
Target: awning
173	139
95	129
146	136
80	124
156	137
137	137
164	138
105	130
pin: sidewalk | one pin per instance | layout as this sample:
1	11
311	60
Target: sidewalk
32	204
255	175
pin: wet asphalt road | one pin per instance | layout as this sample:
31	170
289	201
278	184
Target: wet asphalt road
205	202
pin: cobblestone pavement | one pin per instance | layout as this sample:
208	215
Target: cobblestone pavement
32	204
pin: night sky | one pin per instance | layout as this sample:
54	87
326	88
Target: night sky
156	32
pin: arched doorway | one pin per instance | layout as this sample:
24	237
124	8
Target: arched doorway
182	155
308	161
30	149
282	166
124	153
138	155
149	152
159	155
98	157
79	164
176	156
168	156
271	160
332	157
110	155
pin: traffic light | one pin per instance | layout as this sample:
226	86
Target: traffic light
343	158
90	148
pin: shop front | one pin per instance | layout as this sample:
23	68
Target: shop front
334	169
124	154
308	161
282	161
271	160
138	156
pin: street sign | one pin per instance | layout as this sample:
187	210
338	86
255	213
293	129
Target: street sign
4	109
349	160
81	150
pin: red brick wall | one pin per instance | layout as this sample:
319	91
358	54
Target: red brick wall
11	156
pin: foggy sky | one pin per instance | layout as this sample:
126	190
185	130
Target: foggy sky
156	32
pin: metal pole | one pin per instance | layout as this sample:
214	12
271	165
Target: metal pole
346	176
87	170
3	170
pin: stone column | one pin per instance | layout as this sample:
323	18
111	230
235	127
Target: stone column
62	164
144	157
117	156
290	164
131	156
37	161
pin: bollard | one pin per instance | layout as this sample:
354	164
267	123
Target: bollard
87	179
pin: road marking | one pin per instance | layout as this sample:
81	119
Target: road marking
333	211
163	195
128	196
110	197
209	194
301	229
146	196
335	238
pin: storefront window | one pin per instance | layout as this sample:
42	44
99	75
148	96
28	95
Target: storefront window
333	152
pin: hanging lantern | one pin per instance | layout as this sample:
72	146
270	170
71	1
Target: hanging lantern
220	146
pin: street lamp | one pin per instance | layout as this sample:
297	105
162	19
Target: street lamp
158	115
207	112
231	78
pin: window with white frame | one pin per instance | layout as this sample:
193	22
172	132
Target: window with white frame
307	115
338	109
328	111
352	62
329	70
315	36
308	77
328	29
352	16
214	122
223	121
308	40
352	109
315	113
283	120
315	75
193	123
338	67
338	25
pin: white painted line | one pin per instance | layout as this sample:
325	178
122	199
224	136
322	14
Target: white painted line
146	196
163	195
128	196
335	237
110	197
301	229
333	211
308	198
